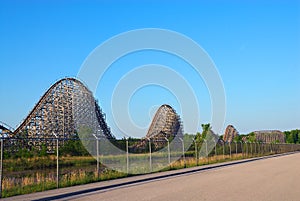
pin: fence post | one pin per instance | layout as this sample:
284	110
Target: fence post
57	164
242	148
271	148
230	149
169	157
223	150
1	167
150	155
196	152
183	154
206	154
97	146
235	148
246	148
127	156
216	149
97	152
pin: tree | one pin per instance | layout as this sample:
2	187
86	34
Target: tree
74	147
251	137
289	137
292	136
221	137
238	138
295	134
43	151
205	129
201	137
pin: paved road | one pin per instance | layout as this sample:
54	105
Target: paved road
275	178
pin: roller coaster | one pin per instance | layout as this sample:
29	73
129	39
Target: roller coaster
5	130
68	106
165	124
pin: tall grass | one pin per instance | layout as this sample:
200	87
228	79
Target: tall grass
45	181
30	175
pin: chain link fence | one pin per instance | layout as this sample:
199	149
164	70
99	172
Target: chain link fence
31	165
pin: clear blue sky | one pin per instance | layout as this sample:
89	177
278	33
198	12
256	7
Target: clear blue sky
255	46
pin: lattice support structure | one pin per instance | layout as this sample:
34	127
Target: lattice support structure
5	130
230	133
270	136
66	106
165	124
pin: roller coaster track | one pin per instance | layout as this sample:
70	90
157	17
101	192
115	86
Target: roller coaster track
165	124
65	107
68	108
5	129
165	121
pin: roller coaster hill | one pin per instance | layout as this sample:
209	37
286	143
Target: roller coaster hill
67	106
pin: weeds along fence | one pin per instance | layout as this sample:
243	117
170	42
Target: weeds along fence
31	165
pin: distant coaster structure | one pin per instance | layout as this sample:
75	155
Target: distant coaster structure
166	126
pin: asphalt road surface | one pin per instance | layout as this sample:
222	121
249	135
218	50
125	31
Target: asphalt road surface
273	179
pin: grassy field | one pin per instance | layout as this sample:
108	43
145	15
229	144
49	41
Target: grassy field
22	176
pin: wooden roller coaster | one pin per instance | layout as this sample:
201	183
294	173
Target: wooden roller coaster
66	105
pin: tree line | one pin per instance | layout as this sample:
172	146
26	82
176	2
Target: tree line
292	136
